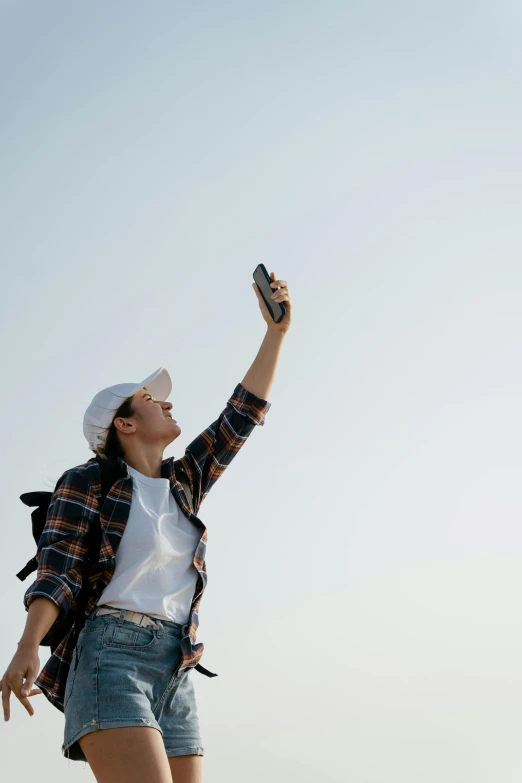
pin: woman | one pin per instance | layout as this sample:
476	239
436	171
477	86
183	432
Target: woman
125	686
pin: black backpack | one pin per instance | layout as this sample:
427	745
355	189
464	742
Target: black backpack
110	471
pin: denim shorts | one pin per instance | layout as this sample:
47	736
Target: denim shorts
122	674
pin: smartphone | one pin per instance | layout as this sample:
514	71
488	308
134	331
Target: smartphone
261	277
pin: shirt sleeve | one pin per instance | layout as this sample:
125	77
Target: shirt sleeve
63	547
207	457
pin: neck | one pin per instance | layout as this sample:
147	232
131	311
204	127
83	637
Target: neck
147	464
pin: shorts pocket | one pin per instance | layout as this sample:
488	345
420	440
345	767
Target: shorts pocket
129	636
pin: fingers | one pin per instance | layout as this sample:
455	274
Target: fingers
280	296
281	293
24	699
279	285
28	706
25	692
6	693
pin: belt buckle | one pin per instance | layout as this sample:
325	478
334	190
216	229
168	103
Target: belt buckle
133	617
144	620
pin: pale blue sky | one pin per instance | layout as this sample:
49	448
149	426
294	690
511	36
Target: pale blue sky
366	541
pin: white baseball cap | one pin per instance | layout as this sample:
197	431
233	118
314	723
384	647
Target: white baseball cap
100	413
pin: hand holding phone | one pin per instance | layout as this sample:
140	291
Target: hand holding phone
262	279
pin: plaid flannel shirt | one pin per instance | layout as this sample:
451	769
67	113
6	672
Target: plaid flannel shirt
62	547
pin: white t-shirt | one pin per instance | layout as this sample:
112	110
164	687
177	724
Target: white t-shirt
154	571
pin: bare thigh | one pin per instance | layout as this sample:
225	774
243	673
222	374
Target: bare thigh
186	769
133	754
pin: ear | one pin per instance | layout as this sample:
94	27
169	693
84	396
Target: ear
122	425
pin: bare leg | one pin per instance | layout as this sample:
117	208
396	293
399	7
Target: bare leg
186	769
133	754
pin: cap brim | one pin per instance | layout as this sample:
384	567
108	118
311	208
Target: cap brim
159	384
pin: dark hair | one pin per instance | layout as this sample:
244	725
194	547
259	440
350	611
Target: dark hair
112	445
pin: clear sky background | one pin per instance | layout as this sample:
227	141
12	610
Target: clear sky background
364	547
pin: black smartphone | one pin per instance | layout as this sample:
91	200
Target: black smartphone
261	277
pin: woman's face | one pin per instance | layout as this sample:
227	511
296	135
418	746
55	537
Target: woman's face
152	420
